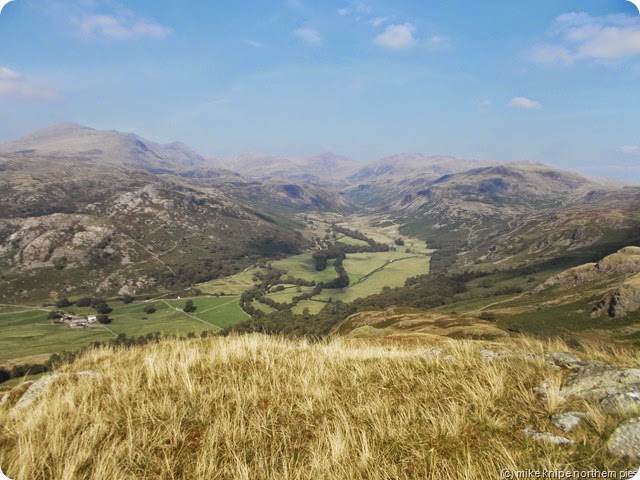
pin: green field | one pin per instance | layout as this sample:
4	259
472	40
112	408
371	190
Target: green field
390	275
29	336
359	265
313	306
232	285
286	295
303	266
352	241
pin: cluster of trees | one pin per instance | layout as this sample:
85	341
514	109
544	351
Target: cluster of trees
423	291
343	277
285	322
100	306
354	234
18	371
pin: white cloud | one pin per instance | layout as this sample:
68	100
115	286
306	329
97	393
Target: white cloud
361	7
343	12
16	86
630	149
580	36
378	21
309	36
485	105
3	3
438	42
253	43
397	37
123	25
524	103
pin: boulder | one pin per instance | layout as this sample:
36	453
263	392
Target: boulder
547	437
627	403
597	381
625	440
567	422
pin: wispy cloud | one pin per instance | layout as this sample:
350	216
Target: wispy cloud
524	103
253	43
630	149
437	42
308	35
356	7
378	21
580	36
485	105
397	37
123	25
16	86
103	19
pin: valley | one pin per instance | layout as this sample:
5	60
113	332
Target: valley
294	245
119	256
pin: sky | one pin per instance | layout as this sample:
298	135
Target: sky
554	81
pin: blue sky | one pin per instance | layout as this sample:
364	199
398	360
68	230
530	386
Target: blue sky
546	80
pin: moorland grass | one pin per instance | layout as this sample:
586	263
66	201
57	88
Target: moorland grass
257	407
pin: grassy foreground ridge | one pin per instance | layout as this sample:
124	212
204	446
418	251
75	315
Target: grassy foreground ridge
263	407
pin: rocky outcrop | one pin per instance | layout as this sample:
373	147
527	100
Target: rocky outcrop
616	389
598	381
624	262
622	301
39	388
625	440
547	437
567	422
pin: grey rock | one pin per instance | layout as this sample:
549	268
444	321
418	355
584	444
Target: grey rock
39	387
490	355
547	437
568	421
627	403
595	381
625	440
564	360
542	389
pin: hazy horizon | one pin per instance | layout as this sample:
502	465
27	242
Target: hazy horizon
544	81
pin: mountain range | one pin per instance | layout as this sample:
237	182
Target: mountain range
113	212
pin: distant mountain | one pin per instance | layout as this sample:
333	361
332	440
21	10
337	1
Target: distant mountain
106	147
74	198
405	165
319	169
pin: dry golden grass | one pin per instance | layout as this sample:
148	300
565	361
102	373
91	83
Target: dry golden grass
256	407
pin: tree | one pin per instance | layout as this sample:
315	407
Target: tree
4	374
63	303
103	308
150	308
104	319
399	241
487	316
189	307
54	315
126	298
84	302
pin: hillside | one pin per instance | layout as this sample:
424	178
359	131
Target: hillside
316	169
70	226
260	407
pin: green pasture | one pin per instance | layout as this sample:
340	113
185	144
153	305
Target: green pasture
28	335
389	275
303	266
232	285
